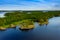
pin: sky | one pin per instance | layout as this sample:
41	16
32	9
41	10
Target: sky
29	4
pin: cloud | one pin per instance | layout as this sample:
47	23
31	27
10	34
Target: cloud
30	5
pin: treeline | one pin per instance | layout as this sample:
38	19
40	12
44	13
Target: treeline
16	16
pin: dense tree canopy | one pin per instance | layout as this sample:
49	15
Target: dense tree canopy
16	16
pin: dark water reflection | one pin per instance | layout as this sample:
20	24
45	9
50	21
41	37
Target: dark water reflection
44	32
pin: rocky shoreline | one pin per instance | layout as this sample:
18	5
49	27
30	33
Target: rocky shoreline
3	28
28	27
20	27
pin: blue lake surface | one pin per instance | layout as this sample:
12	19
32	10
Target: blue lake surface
44	32
2	14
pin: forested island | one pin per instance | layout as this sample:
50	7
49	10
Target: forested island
26	19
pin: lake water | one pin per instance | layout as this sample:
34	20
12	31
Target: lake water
43	32
2	14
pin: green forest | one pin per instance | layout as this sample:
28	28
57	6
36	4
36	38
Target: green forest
19	17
